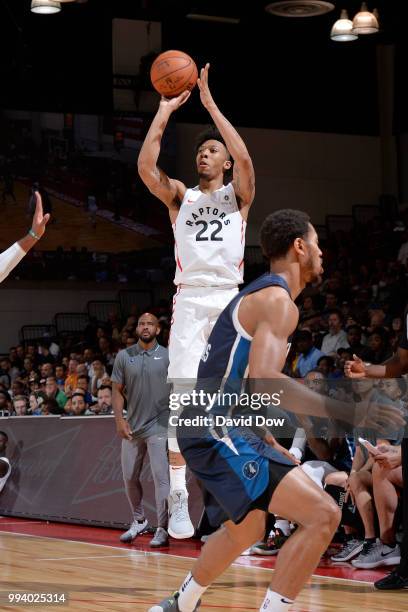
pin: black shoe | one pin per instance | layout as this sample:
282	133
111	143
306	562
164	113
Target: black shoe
392	581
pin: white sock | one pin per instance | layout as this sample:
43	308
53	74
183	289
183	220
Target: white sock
274	602
283	525
178	478
190	592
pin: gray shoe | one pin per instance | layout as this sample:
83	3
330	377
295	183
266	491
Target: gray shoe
160	538
377	554
351	549
180	525
170	604
134	530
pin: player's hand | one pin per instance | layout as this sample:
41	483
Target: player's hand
380	417
172	104
39	219
271	440
355	368
123	429
389	457
202	83
349	493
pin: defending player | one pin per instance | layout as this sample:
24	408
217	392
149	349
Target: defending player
244	478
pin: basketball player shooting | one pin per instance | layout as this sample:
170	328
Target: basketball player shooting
14	254
245	478
209	223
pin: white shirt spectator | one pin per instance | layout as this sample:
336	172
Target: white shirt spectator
333	342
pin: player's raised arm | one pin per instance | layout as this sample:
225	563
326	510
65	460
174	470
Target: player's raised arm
243	171
14	254
169	191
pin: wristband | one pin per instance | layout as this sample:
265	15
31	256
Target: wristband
33	234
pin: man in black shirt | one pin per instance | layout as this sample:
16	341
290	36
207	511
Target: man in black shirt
394	367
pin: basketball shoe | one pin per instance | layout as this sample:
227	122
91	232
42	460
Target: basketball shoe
180	526
170	604
136	528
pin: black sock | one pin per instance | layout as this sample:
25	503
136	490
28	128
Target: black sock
370	540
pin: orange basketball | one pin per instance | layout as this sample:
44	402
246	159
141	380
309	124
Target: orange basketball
173	72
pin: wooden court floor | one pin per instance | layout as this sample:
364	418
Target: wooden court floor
96	577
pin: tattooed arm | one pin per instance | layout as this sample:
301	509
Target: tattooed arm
243	173
169	191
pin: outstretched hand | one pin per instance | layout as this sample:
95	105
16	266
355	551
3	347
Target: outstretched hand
39	219
173	104
355	368
380	417
202	82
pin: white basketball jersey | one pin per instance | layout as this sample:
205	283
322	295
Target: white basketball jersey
209	236
4	479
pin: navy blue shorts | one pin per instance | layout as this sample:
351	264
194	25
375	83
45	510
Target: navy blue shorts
238	472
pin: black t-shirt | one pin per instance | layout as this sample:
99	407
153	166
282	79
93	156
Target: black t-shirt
404	338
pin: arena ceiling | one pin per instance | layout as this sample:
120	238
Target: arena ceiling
267	71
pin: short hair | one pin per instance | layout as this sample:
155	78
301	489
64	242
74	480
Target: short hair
19	398
304	334
77	394
349	328
210	133
280	229
3	433
327	358
83	376
103	387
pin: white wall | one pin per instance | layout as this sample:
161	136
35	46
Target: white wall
320	173
20	307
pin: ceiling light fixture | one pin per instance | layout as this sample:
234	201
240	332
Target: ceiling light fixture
45	7
365	22
342	30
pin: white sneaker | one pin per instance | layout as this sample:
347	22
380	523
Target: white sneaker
134	530
180	525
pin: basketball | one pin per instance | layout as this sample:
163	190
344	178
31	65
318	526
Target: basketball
173	72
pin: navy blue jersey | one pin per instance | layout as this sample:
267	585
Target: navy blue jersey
225	359
233	463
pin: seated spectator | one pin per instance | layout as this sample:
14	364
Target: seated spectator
367	551
309	355
51	406
44	353
17	388
79	405
36	400
60	375
53	391
5	403
20	405
99	372
387	485
46	369
34	382
4	372
72	376
379	347
354	335
327	366
337	337
83	387
104	403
